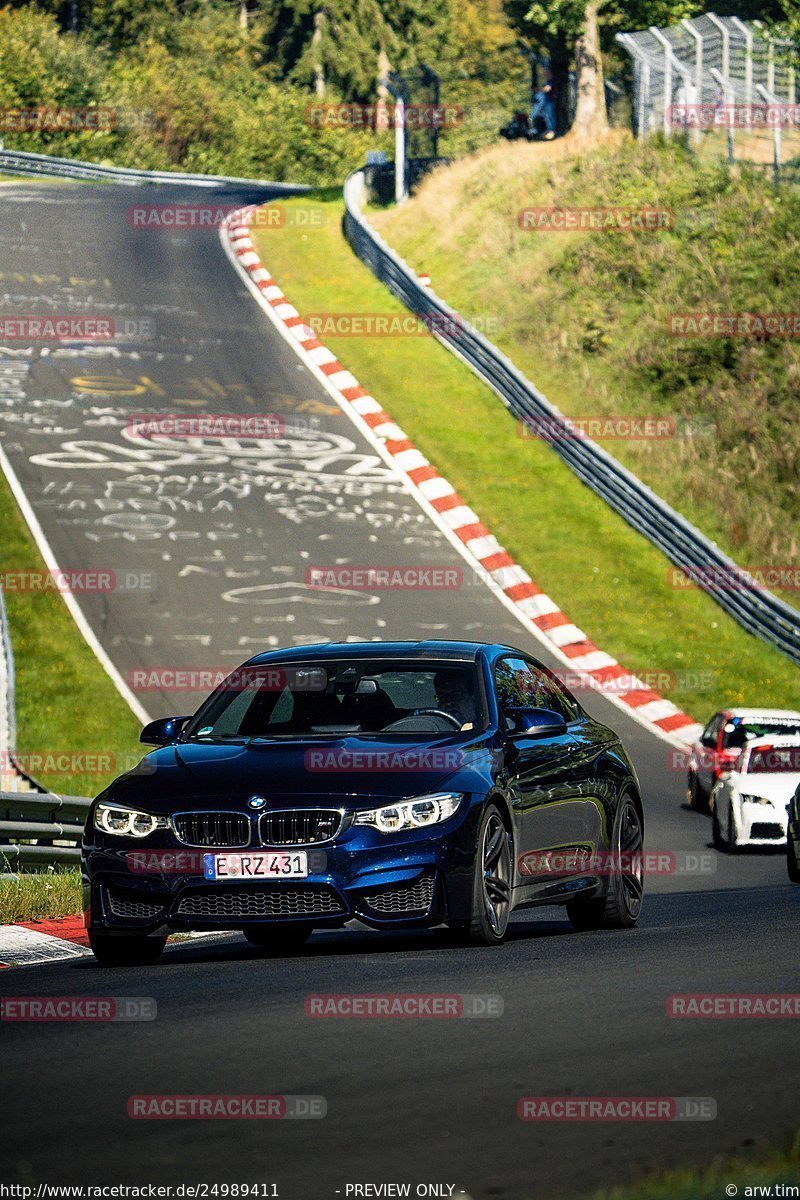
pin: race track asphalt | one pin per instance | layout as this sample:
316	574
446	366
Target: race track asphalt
221	537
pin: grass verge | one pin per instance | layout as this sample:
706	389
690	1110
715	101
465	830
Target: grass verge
608	579
767	1169
74	730
38	897
591	316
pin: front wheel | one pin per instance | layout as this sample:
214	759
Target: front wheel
694	793
793	860
491	884
279	939
135	951
622	903
731	843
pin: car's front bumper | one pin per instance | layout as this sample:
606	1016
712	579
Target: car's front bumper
760	825
420	878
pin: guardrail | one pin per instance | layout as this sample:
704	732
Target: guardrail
19	162
755	608
40	821
7	709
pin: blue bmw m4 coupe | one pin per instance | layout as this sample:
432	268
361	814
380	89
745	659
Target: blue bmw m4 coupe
402	784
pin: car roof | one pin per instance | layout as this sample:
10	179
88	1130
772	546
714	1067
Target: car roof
429	649
773	739
761	714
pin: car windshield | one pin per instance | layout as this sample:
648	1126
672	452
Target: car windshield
738	732
771	760
343	698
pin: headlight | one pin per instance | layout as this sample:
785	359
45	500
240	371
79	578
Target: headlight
753	799
126	822
411	814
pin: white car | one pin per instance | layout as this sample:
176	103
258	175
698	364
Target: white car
750	801
717	749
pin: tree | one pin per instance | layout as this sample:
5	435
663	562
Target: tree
345	44
578	31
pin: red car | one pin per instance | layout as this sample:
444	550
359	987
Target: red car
720	744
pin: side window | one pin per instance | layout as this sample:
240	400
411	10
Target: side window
515	683
562	701
521	685
709	734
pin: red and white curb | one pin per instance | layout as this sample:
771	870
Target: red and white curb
535	610
33	943
42	942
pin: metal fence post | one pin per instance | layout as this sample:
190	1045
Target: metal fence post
748	60
726	43
771	98
730	94
396	90
670	58
666	122
696	135
400	188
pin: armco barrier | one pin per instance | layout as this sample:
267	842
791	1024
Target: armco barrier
42	819
760	612
18	162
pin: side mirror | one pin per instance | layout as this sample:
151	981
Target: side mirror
163	731
528	722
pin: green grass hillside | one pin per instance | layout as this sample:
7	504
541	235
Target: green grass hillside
606	577
585	315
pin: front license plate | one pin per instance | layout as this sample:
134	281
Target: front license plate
258	865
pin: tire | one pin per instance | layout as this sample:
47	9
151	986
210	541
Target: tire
279	939
111	951
492	880
731	846
622	903
792	862
695	797
716	832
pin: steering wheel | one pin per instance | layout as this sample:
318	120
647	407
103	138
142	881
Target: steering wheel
427	712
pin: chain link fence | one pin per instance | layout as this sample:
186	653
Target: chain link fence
727	86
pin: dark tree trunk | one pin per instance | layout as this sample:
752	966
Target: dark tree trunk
559	67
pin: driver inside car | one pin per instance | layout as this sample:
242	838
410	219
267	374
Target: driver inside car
454	696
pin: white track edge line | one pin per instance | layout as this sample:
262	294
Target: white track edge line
75	609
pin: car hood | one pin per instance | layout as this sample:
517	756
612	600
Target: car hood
779	787
347	768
